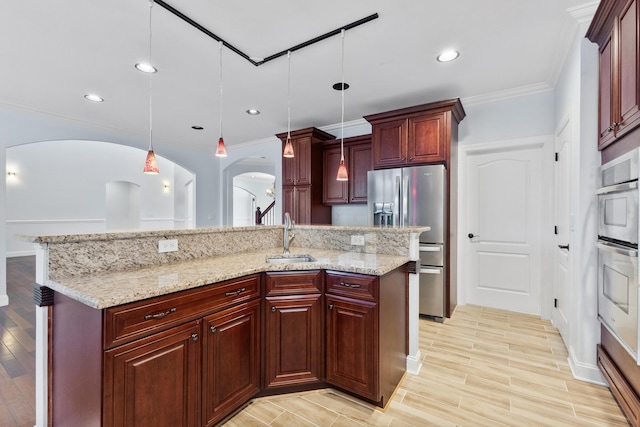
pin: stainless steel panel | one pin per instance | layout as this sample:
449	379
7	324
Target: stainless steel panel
432	291
618	293
425	200
618	211
383	197
621	169
431	254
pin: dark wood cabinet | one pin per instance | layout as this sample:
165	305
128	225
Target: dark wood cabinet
293	329
302	177
615	29
231	360
155	380
416	135
359	161
366	327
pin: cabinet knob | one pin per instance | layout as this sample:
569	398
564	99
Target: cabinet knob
194	337
213	329
410	157
273	309
330	306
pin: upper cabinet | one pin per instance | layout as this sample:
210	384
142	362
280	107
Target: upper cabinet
357	153
302	177
416	135
615	29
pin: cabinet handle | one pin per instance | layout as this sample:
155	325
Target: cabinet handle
349	285
194	337
330	306
234	293
213	329
159	315
410	157
273	309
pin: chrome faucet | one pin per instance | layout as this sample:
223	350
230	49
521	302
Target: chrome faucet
288	227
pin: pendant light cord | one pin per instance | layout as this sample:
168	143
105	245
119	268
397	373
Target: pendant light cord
220	56
342	92
150	80
289	97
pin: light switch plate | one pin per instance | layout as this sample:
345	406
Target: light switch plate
167	245
357	240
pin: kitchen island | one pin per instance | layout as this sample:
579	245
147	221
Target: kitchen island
107	299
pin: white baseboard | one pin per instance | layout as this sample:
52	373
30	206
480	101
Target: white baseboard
4	300
586	372
414	364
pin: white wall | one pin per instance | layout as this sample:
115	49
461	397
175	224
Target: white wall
577	98
60	187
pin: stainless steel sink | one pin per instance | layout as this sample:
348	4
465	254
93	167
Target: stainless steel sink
289	258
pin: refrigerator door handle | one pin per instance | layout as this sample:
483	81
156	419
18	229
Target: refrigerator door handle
400	197
430	270
430	248
406	200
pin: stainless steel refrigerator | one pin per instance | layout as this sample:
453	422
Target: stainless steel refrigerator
415	196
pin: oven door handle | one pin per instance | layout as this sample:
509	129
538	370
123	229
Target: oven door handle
618	187
617	249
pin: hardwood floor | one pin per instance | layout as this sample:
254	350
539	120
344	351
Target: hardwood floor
482	367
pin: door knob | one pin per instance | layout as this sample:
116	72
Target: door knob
564	247
471	235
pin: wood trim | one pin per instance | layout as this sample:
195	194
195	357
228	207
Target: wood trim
42	295
602	21
453	105
620	388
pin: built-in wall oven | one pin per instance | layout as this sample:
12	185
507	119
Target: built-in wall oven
617	245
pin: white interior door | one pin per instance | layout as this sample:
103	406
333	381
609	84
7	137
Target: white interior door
504	229
562	220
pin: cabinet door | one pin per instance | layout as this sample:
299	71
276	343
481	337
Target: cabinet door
303	160
302	204
231	360
389	143
352	346
360	162
288	202
426	139
606	95
334	192
155	380
629	113
293	340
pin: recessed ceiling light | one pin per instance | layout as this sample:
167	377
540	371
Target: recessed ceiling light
448	55
338	86
94	97
197	127
145	68
253	112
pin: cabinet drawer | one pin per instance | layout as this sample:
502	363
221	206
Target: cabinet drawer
293	283
130	321
351	285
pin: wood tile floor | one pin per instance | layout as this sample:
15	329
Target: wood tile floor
482	367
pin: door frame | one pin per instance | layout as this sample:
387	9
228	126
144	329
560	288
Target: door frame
543	143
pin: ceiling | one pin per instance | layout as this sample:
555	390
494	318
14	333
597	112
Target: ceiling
54	52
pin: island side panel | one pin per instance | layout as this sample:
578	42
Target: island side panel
393	331
76	357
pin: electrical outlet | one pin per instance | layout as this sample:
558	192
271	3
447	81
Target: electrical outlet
357	240
166	245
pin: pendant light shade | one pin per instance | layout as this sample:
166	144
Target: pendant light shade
221	151
150	164
288	146
342	168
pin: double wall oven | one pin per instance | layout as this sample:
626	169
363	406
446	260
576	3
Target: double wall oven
618	206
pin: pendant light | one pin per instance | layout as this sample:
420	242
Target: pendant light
288	146
150	164
342	168
221	151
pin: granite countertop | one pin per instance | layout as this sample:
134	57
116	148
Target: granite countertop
103	290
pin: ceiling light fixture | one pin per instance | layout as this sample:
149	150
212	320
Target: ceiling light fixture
253	112
288	146
221	151
448	55
146	68
93	97
150	164
342	168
